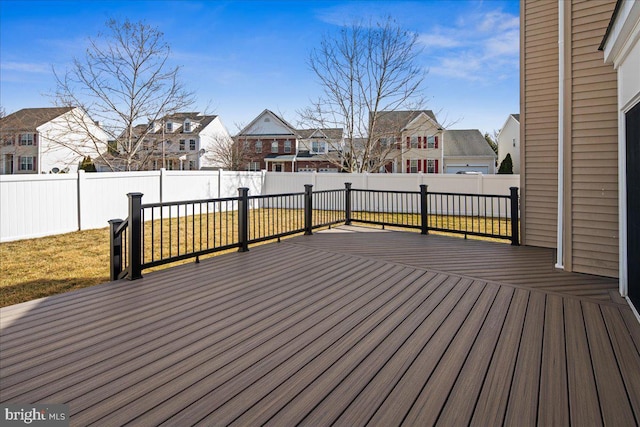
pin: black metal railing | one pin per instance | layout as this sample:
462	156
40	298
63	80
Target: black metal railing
161	233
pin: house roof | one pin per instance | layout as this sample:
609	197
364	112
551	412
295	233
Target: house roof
179	117
614	15
398	120
31	118
330	133
517	117
467	142
282	121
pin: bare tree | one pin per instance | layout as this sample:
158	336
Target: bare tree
123	81
365	71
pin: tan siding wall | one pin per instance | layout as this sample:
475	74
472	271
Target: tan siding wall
593	195
539	121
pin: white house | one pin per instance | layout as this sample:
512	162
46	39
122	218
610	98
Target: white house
466	150
43	140
509	141
182	141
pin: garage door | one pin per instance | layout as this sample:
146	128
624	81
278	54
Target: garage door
456	169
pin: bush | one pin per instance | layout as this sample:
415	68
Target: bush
506	167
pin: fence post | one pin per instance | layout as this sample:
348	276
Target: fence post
347	203
115	245
243	219
135	236
515	223
308	209
424	210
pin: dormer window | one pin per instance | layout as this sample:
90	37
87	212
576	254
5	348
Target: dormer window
169	127
187	126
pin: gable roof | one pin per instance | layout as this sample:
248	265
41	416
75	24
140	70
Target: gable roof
467	142
400	119
194	117
517	117
329	133
31	118
280	120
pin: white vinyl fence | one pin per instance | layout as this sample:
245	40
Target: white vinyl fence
42	205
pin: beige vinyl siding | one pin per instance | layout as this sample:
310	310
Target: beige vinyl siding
539	122
592	231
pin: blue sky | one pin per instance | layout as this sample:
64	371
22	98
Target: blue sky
241	57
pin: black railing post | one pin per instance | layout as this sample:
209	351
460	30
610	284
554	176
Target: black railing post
424	210
135	236
347	203
308	209
115	244
515	223
243	219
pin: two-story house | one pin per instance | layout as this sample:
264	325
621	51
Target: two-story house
269	142
48	140
181	141
408	141
508	141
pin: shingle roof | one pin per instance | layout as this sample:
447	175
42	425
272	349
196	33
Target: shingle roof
31	118
331	133
179	117
468	142
400	119
517	117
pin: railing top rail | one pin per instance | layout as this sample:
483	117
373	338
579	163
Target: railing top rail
189	202
266	196
338	190
504	196
386	191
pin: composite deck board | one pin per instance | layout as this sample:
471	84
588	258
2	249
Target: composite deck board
339	328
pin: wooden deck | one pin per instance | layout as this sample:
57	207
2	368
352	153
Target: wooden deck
346	328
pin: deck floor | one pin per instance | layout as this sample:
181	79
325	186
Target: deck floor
346	328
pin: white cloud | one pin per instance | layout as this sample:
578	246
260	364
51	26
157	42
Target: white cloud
437	40
26	67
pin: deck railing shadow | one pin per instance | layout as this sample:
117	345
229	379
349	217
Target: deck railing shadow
160	233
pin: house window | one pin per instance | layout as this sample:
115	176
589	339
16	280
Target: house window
318	147
6	141
187	126
431	141
169	127
246	145
27	163
431	166
287	146
182	148
385	142
258	146
192	165
514	142
192	144
253	166
414	142
274	147
413	166
26	139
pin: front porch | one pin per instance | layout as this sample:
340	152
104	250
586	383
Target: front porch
350	326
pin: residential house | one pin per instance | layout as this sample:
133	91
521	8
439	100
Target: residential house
48	140
408	141
269	142
572	183
181	141
621	47
508	141
467	151
318	150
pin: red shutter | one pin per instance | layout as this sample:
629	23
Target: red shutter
419	142
436	163
419	166
425	166
408	142
35	139
408	166
35	166
436	144
19	163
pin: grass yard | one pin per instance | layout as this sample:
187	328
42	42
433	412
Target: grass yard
37	268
